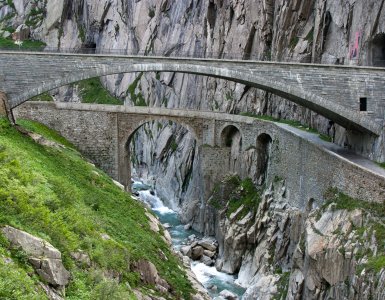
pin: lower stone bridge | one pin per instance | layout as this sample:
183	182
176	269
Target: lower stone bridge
103	132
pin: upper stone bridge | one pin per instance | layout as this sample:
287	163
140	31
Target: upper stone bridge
103	134
353	97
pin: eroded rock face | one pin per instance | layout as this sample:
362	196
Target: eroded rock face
309	253
45	259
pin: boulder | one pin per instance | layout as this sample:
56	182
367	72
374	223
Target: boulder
228	295
209	253
196	252
149	275
153	222
208	245
207	260
45	259
81	257
186	250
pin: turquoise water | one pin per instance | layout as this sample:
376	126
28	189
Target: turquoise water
208	276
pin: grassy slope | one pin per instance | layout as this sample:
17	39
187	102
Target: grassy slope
54	194
9	44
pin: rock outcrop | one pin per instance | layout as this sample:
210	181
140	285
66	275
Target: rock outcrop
291	253
45	259
149	275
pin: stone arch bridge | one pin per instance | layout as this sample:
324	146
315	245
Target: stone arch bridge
353	97
102	133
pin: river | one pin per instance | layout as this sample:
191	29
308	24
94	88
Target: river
208	276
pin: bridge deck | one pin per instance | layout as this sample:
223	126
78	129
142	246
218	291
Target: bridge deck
332	91
339	151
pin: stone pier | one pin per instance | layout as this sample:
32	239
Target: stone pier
4	108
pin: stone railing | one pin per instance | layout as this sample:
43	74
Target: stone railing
134	52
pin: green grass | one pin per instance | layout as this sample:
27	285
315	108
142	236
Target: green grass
232	193
54	194
35	17
376	263
343	201
15	279
282	286
293	42
8	43
382	165
92	91
43	97
310	36
136	98
44	131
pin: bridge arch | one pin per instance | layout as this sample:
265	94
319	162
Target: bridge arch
125	161
128	136
311	92
228	134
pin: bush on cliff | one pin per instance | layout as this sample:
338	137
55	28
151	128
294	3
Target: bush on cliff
53	193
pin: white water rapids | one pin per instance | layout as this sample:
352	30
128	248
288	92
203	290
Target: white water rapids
208	276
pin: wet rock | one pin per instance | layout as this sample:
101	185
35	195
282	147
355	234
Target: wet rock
196	253
208	245
226	294
207	260
186	250
167	225
209	253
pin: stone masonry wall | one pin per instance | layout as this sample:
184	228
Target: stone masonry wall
93	133
308	169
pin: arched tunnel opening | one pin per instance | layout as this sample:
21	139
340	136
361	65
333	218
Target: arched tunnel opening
377	50
231	138
230	135
263	155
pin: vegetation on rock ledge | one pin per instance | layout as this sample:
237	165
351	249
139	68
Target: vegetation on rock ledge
232	193
375	226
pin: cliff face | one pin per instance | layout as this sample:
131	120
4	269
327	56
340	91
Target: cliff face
283	252
320	31
344	32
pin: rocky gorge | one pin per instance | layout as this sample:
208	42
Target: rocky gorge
278	250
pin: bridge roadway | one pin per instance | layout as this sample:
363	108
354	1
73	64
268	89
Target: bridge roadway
309	165
332	91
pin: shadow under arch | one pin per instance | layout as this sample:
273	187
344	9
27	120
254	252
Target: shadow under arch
228	133
263	148
377	50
